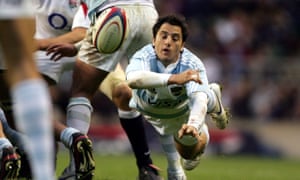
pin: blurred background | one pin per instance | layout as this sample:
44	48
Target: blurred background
251	47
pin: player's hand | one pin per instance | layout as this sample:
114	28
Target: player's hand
188	130
60	50
184	77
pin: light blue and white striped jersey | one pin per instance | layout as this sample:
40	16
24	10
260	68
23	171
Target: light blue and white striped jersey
171	101
95	6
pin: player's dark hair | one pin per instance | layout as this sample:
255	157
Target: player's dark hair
175	20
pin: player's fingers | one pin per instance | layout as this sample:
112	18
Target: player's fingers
196	77
55	56
182	130
58	57
195	133
180	133
191	131
51	50
52	47
188	130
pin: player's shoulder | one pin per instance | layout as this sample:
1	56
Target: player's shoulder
190	59
147	48
146	51
188	55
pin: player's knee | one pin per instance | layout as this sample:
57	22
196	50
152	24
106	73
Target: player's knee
121	96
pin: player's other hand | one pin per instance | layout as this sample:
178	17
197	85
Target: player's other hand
187	130
184	77
59	50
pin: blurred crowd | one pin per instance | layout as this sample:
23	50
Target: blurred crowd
252	48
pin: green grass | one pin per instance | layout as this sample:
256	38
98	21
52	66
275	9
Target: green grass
122	167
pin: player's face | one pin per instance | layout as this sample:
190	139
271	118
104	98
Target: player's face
168	43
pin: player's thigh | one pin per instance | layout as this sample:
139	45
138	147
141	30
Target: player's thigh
16	29
53	70
112	81
86	79
142	19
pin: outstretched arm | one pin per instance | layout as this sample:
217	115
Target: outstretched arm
198	106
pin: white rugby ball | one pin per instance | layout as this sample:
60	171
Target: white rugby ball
109	30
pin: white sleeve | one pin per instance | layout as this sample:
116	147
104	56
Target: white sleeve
147	79
81	19
198	105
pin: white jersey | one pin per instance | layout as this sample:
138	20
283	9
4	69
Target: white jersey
10	9
55	18
168	107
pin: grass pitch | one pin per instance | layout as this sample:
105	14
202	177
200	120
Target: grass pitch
122	167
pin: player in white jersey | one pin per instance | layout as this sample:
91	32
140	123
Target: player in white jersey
171	89
56	22
64	21
114	85
32	104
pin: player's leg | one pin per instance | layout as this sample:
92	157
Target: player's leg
175	170
32	103
115	88
219	114
14	136
81	152
10	161
85	82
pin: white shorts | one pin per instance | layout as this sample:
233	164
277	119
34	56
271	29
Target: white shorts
54	70
12	9
141	19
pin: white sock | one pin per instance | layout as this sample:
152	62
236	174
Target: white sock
66	136
79	113
128	114
33	110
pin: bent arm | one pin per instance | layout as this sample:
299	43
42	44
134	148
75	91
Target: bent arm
72	37
147	79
